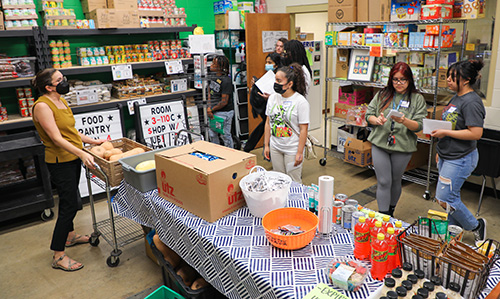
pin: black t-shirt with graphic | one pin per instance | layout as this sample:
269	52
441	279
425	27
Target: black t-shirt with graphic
462	111
218	87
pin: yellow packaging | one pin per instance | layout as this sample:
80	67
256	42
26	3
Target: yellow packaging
433	214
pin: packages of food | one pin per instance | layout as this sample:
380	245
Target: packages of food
347	274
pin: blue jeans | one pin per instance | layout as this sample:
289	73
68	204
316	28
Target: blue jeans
227	137
452	175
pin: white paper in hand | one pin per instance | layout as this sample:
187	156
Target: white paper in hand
394	113
266	82
434	124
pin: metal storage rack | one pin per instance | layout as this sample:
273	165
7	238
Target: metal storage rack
417	176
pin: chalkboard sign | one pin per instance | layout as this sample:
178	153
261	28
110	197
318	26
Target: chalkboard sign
160	122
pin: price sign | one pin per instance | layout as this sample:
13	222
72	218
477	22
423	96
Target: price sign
87	96
130	104
121	72
174	67
161	122
178	85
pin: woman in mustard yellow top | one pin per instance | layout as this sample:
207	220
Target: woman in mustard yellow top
55	124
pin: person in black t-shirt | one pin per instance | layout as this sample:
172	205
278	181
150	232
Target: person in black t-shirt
457	154
220	99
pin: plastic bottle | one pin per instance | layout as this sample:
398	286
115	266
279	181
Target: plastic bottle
407	268
375	231
389	285
441	295
414	280
385	222
454	291
392	295
397	274
421	277
408	285
438	287
237	56
393	249
243	53
379	257
423	292
371	220
398	227
429	286
401	291
361	240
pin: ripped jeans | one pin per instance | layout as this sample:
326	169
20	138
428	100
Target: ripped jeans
452	175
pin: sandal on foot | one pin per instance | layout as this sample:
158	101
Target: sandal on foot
55	264
77	239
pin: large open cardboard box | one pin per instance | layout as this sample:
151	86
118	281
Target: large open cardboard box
358	152
208	189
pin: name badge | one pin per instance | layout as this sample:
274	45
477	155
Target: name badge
405	104
452	109
286	104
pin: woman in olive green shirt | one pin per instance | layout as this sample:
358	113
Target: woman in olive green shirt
393	138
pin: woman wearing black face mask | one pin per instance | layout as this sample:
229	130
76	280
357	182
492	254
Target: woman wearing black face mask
258	100
287	122
55	124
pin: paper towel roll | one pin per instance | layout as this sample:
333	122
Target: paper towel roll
325	202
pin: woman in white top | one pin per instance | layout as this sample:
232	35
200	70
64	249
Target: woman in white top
295	52
287	122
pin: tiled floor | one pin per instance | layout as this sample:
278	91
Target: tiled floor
25	256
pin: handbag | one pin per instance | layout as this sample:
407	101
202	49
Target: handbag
310	153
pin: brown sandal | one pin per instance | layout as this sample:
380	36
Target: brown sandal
77	240
55	264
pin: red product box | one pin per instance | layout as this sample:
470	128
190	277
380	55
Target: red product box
436	11
434	29
355	95
429	41
372	30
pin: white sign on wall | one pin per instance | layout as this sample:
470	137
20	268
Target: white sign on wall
104	124
160	123
269	39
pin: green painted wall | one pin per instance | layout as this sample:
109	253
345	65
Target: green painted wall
198	12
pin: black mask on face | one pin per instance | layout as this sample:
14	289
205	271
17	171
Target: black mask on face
62	87
278	88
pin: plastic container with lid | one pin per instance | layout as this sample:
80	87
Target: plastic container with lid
402	293
392	295
389	285
397	274
454	291
423	292
414	280
421	277
408	285
441	295
407	268
417	297
438	287
431	290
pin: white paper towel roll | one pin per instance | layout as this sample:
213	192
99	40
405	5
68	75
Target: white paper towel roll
325	202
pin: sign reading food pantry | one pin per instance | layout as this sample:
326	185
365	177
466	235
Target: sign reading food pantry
100	124
161	122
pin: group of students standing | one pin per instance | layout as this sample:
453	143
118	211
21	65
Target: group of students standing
285	123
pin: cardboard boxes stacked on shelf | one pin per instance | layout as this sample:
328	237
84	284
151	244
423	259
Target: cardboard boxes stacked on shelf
341	11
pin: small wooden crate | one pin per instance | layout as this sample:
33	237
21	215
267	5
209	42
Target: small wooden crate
113	170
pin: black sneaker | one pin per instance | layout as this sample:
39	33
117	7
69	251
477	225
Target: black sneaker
480	231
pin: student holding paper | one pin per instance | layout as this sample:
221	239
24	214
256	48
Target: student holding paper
287	122
457	154
258	100
396	113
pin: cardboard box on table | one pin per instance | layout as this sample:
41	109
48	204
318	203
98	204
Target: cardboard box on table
208	189
358	152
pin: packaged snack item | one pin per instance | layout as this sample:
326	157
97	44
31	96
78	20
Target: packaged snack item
347	274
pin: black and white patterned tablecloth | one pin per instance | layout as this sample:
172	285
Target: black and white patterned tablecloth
233	253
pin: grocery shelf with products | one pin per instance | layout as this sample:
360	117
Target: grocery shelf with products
403	42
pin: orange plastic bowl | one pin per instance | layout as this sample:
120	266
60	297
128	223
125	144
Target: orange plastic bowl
306	220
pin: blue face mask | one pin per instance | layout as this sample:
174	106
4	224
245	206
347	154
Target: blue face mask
269	67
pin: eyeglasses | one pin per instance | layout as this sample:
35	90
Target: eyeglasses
399	81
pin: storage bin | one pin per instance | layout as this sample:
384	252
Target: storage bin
143	181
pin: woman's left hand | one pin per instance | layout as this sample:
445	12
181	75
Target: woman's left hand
299	157
399	119
99	141
440	133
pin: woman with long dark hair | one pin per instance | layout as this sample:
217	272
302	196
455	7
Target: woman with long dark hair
393	139
287	122
258	100
295	52
457	154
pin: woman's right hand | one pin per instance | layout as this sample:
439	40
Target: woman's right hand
265	95
87	160
380	120
267	153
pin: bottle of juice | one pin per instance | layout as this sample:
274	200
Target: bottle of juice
375	231
361	239
385	222
371	220
398	227
393	249
379	257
